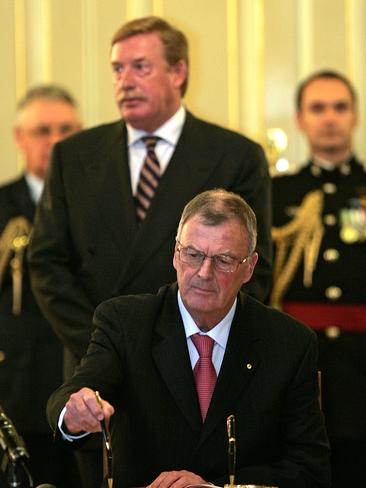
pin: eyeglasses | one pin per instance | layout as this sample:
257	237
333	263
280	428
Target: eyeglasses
221	262
45	131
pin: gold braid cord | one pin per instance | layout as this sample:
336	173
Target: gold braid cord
13	242
297	241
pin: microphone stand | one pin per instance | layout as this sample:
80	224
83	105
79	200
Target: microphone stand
14	462
230	423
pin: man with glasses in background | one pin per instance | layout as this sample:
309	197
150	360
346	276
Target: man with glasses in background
30	356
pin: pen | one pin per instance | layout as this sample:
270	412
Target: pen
106	443
102	423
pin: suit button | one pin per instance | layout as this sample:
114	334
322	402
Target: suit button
330	219
2	356
329	188
331	255
333	293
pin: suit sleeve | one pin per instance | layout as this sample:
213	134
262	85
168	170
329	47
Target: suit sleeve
304	459
53	275
254	185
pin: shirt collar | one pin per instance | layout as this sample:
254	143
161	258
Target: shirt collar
219	333
35	186
169	131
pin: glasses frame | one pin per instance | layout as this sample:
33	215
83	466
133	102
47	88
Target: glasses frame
205	256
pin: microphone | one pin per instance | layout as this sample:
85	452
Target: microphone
10	440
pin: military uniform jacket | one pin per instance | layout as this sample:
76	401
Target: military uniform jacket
31	365
335	303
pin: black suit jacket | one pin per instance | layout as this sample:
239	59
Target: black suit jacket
32	365
138	359
87	246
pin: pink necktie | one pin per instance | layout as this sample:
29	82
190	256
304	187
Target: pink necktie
204	371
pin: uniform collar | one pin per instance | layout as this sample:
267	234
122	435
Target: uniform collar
320	167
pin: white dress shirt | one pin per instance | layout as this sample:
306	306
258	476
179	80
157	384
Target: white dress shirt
169	134
35	186
220	335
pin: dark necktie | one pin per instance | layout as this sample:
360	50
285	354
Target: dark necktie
149	178
204	371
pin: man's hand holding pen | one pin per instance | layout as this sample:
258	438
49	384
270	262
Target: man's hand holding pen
85	411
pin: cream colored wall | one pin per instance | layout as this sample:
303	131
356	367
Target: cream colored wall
246	57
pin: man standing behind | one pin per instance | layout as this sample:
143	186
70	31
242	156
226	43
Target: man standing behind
31	357
320	266
107	220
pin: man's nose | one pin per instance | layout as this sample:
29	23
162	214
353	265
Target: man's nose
127	78
56	135
330	114
207	267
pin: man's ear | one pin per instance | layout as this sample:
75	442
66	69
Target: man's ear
299	120
180	72
18	135
249	270
174	260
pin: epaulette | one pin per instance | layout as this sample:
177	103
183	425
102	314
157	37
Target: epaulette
13	242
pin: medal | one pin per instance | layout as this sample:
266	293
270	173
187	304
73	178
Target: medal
353	225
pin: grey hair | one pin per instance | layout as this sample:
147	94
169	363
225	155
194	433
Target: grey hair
51	92
217	206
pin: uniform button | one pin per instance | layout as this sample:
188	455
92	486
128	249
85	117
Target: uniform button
329	188
345	169
333	292
330	219
332	332
331	255
249	366
2	356
315	170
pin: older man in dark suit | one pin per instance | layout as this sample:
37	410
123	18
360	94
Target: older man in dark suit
112	202
30	356
168	402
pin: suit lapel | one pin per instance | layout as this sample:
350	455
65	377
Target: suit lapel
239	365
109	176
22	199
191	165
172	359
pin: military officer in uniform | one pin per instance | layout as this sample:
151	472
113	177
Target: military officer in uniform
320	264
30	354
